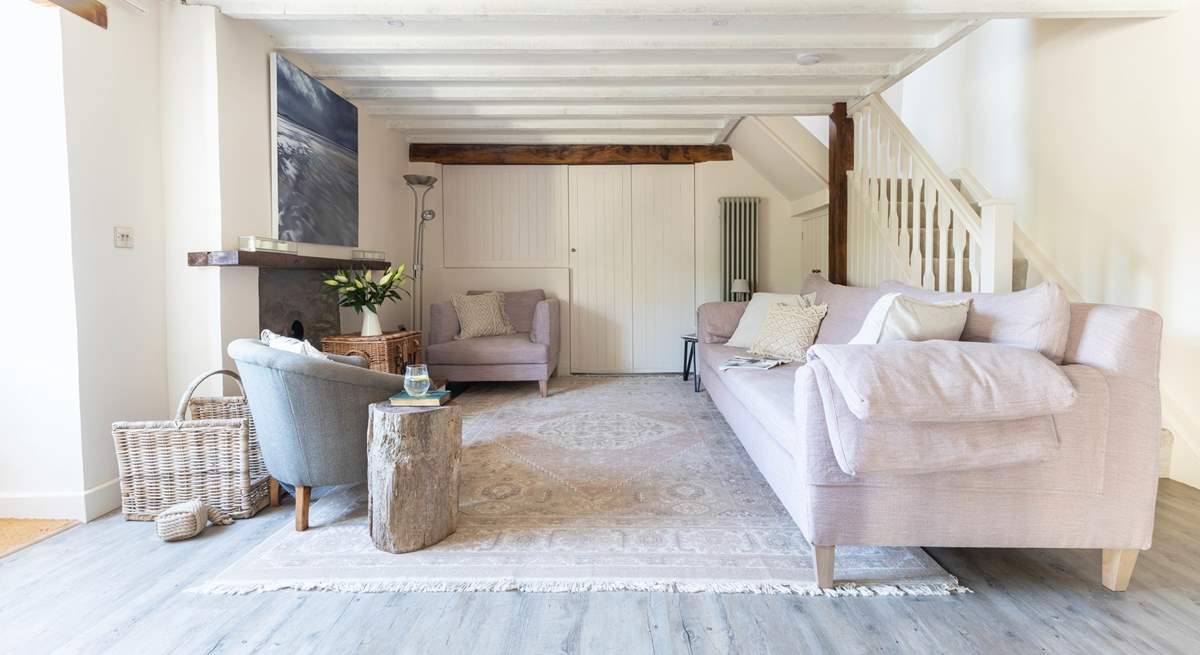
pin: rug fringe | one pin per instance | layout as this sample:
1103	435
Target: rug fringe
849	589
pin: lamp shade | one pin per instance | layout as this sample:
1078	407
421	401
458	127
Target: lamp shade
740	285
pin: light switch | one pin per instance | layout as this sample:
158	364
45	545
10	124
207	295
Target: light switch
122	237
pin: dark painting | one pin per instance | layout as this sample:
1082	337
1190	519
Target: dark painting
316	160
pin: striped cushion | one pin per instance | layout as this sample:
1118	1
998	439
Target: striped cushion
481	315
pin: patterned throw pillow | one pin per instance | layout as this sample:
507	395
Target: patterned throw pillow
481	315
788	331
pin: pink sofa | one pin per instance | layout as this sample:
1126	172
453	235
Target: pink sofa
530	354
1099	492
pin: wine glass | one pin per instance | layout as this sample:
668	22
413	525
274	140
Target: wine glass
416	380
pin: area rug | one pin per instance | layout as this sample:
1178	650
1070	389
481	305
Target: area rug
611	483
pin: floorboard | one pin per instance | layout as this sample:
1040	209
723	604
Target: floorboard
111	587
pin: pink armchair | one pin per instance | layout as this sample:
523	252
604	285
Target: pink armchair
530	354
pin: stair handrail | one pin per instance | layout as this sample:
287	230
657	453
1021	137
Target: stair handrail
958	202
889	163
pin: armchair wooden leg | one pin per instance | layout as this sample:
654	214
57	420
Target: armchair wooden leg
823	562
544	387
1117	567
302	496
273	485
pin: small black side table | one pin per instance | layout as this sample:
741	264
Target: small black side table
689	359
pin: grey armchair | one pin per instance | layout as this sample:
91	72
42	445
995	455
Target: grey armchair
530	354
311	415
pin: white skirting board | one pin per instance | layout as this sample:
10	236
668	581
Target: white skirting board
80	506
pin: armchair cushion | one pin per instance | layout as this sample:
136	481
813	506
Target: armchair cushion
503	349
519	306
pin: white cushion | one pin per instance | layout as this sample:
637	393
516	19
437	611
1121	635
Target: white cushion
280	342
1038	318
788	332
896	317
756	312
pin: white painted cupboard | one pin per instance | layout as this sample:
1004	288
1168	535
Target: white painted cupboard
627	234
633	266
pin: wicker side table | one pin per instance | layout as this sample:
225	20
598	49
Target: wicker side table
389	352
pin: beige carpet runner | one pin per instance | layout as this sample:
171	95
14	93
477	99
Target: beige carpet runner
611	483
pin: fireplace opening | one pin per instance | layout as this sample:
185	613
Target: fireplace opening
297	330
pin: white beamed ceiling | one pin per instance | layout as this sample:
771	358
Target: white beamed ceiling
621	71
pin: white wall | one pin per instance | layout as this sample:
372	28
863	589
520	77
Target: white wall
114	154
1091	127
41	461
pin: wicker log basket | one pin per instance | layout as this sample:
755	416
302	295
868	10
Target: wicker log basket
213	457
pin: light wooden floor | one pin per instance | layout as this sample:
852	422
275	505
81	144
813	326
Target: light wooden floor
110	586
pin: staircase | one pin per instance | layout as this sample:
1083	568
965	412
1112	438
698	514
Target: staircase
909	221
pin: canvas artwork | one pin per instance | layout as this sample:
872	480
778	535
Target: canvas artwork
316	160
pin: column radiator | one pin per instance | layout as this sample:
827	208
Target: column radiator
739	242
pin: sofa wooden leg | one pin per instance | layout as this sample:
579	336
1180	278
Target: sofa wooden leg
1117	567
273	486
302	496
823	562
544	387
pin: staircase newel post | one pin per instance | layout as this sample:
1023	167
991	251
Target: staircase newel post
841	160
996	267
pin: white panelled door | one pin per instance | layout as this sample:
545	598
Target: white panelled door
814	236
601	268
664	264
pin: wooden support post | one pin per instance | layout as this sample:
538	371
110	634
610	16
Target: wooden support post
273	487
841	160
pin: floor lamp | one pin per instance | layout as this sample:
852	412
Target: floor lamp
421	216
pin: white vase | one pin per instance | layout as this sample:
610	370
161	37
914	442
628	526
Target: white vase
370	326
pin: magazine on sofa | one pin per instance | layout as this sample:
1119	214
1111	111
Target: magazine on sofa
759	363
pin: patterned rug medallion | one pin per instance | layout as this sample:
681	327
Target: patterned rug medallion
611	483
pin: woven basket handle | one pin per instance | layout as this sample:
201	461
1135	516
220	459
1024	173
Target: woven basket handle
181	412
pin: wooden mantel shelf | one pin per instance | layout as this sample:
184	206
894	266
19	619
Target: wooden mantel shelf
264	259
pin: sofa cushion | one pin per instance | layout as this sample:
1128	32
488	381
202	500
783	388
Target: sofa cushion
897	317
751	320
766	395
788	332
504	349
519	306
945	381
848	307
1038	318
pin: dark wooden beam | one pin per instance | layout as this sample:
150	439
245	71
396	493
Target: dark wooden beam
89	10
841	160
453	153
265	259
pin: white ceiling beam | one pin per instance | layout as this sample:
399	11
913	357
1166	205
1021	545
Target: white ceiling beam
676	93
675	9
619	72
627	138
466	110
565	44
556	125
951	34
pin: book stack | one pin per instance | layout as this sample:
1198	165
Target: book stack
434	398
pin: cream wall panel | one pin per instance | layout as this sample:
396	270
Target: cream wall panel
663	264
505	216
601	294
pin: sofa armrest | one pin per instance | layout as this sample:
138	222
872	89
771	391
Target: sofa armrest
546	326
716	321
352	360
443	323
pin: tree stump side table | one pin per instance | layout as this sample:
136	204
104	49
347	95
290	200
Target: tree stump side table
412	475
